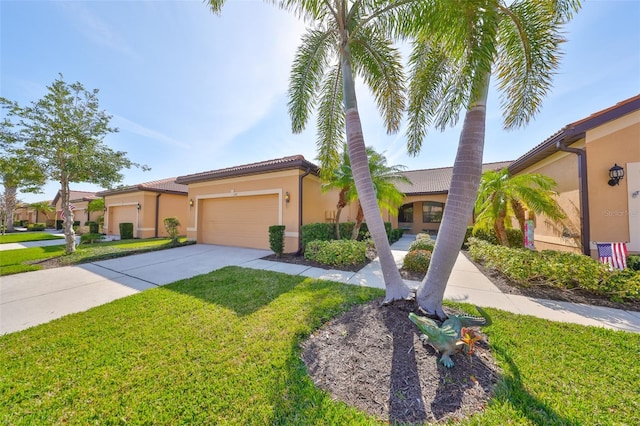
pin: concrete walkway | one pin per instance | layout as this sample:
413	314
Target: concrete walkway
33	298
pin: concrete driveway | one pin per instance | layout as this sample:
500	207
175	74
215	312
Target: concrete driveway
37	297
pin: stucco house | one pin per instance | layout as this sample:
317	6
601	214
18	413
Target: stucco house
235	206
583	158
146	205
426	196
79	200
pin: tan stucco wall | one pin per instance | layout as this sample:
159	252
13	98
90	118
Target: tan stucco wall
175	205
618	142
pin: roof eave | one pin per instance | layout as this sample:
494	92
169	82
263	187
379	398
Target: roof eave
204	177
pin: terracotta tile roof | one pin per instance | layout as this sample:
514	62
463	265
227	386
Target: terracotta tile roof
573	132
436	181
285	163
76	196
167	185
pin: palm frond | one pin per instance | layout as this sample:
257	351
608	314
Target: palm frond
331	125
379	64
306	75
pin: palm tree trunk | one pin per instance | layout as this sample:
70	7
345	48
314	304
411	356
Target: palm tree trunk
342	197
467	170
518	211
396	288
358	224
501	230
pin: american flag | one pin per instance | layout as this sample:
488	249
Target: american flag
613	254
62	215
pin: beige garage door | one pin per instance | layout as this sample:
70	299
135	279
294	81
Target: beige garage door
238	221
121	214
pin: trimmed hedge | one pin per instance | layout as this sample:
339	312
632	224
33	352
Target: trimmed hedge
36	227
326	232
126	230
337	252
90	238
560	269
515	237
417	261
93	227
276	239
633	262
422	244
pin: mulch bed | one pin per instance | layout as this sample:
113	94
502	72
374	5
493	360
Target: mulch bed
371	358
300	260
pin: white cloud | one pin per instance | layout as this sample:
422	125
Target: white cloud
130	126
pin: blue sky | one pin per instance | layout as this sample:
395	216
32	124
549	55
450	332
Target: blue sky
191	91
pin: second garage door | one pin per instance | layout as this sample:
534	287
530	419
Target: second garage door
238	221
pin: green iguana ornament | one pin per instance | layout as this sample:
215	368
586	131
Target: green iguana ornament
446	338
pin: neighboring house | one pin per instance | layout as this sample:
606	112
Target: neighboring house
23	212
580	157
79	200
426	196
235	206
146	205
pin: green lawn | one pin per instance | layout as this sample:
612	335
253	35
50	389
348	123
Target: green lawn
13	261
21	237
223	348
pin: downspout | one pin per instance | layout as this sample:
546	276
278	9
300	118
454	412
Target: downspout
302	176
583	193
157	212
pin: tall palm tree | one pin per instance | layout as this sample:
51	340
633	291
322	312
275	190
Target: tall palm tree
451	66
348	38
384	178
502	197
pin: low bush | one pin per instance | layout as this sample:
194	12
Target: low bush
396	234
276	239
337	252
36	227
93	226
417	261
560	269
515	236
326	232
126	230
423	236
422	244
90	238
633	262
59	224
317	232
172	226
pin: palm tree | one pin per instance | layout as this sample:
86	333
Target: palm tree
384	178
451	67
42	206
501	197
345	39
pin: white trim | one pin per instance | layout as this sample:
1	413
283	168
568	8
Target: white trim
191	229
146	229
232	194
291	234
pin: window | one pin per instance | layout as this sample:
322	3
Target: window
432	211
405	213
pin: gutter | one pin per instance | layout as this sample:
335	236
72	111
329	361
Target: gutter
157	212
300	191
583	193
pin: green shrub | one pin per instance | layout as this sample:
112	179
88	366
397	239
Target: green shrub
422	244
59	224
514	236
36	227
423	236
468	234
485	235
633	262
560	269
337	252
90	238
172	226
317	232
417	261
396	234
126	230
93	226
276	239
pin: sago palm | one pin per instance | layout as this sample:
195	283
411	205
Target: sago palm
501	197
346	39
451	64
44	207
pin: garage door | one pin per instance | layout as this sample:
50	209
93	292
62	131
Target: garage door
121	214
238	221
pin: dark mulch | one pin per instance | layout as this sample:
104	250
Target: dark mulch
300	260
371	358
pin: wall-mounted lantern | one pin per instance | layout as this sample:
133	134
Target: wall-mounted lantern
287	198
191	202
616	173
139	206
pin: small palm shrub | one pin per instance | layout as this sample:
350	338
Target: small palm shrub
90	238
337	252
172	225
417	261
